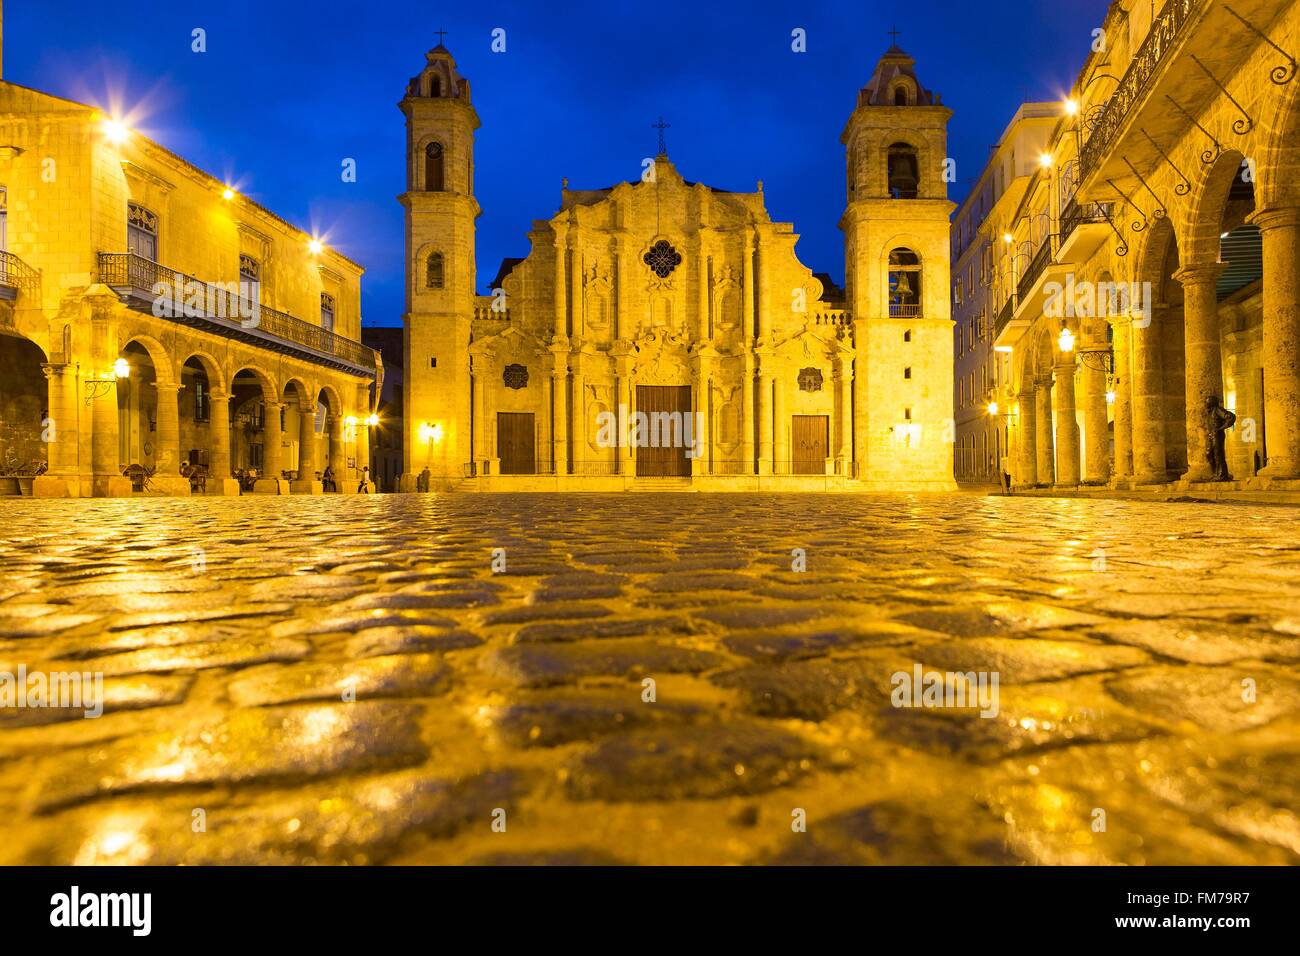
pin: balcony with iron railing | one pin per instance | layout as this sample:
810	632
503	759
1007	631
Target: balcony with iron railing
223	312
17	277
1166	35
904	310
1034	271
1005	314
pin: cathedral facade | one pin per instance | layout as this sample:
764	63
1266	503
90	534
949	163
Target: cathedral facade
662	333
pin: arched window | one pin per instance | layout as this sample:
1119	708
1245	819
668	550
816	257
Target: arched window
435	85
904	284
433	168
900	96
904	172
434	277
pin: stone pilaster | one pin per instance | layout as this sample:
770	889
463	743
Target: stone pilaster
763	410
219	480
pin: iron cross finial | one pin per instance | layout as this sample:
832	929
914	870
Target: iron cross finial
894	33
661	126
441	33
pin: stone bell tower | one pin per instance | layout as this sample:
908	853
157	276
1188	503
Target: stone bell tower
896	249
440	277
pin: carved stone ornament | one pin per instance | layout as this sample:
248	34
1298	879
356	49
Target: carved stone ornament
515	376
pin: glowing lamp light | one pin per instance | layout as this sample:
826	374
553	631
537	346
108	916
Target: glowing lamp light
372	420
993	408
1045	160
1065	341
1008	238
316	247
1005	349
430	433
350	421
228	194
115	131
121	368
1071	107
1110	396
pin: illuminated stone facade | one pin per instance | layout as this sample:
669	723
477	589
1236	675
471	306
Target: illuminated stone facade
1148	268
159	333
666	307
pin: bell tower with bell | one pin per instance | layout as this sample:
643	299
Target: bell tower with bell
896	254
440	280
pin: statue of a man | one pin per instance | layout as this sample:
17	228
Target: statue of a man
1217	421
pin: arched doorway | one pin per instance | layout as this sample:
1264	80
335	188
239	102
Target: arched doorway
254	417
148	426
24	416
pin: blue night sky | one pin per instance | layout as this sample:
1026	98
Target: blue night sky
287	90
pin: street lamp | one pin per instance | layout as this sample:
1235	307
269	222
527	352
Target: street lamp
1065	341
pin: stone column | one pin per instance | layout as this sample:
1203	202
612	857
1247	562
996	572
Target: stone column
561	286
1281	237
560	396
105	453
1123	381
747	299
845	452
1067	426
1096	466
167	459
363	436
622	325
747	419
1204	361
1026	475
575	286
479	451
629	450
1043	442
780	428
702	304
1148	400
219	481
307	482
271	482
338	459
581	448
763	287
763	411
61	432
700	418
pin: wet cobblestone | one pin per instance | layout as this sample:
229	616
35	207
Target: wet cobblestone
650	680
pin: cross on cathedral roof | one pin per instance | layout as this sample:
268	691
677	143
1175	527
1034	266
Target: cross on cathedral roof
661	126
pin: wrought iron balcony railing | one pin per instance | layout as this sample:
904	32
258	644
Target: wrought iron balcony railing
1036	266
904	310
18	275
1076	215
1166	30
1004	315
139	276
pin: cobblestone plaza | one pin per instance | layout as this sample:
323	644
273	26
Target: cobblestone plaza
651	678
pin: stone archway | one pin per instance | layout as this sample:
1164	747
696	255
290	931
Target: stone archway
25	426
148	422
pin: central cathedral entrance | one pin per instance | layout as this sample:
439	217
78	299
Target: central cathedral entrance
668	422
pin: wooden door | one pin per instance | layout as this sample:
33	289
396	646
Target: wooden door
515	445
672	405
809	444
